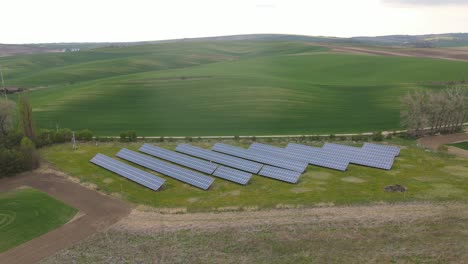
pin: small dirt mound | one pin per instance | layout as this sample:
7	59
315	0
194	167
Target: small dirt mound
395	188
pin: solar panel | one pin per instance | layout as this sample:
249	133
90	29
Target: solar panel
233	175
219	158
194	178
181	159
142	177
382	149
280	174
264	158
311	155
360	156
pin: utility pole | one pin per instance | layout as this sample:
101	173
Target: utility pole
3	83
73	141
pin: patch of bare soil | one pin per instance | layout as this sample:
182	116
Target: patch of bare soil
434	142
437	53
97	213
146	222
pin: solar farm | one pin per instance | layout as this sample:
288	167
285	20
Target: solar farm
199	167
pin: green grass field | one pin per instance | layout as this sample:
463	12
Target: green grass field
428	177
462	145
223	88
28	213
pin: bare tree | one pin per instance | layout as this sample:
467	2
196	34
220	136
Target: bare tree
26	118
435	111
6	116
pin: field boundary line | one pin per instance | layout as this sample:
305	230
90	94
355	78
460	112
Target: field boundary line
385	133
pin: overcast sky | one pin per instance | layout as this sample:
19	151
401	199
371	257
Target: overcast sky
33	21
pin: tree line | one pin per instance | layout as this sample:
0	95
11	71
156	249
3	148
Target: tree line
434	111
17	145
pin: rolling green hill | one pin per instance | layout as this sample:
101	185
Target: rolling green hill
223	88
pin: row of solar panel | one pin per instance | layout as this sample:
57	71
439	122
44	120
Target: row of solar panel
282	164
332	156
188	176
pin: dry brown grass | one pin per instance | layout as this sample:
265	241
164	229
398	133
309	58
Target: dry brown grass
406	233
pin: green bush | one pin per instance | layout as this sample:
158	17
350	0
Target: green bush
11	140
85	135
314	138
19	157
63	135
128	136
377	136
30	157
11	162
45	137
332	137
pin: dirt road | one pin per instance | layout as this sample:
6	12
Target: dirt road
97	213
434	142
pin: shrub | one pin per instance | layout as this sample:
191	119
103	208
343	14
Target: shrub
128	136
11	162
314	138
188	139
132	136
332	137
85	135
45	137
63	135
30	156
12	139
161	139
254	139
377	136
236	138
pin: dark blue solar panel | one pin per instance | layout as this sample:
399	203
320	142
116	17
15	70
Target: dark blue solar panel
382	149
194	178
360	156
219	158
184	160
233	175
280	174
314	156
264	158
142	177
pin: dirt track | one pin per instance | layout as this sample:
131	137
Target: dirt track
447	54
97	213
434	142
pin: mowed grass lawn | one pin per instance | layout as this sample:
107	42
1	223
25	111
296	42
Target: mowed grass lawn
462	145
428	177
223	88
28	213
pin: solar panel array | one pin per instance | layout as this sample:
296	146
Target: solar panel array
360	156
233	175
311	155
184	160
382	149
284	164
219	158
264	157
280	174
191	177
142	177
